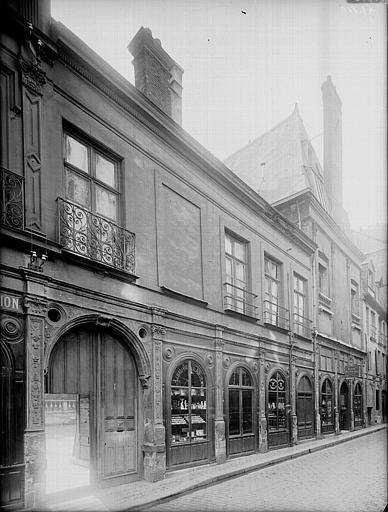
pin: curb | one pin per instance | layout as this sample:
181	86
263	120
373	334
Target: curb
244	471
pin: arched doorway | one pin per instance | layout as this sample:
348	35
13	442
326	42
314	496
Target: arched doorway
326	407
91	411
304	408
344	416
277	417
357	405
240	403
188	422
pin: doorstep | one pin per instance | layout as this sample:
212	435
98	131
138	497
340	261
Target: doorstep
142	495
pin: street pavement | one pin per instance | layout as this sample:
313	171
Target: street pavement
349	477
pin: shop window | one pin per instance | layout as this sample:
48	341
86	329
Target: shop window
188	404
276	403
91	177
377	399
240	403
326	406
357	403
237	296
304	407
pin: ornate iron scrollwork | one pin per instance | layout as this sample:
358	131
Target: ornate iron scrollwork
87	234
11	199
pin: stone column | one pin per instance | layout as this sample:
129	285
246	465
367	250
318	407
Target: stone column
336	391
293	416
219	422
34	436
351	394
154	446
262	418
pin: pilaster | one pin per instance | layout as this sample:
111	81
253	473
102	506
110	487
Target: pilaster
316	387
154	446
262	418
336	411
219	422
34	436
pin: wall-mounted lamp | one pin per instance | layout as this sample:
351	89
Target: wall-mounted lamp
36	262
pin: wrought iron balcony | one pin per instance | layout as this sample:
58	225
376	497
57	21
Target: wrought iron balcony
302	326
239	300
11	199
276	315
89	235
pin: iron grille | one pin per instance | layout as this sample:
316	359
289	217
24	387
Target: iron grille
11	199
276	315
302	326
239	300
92	236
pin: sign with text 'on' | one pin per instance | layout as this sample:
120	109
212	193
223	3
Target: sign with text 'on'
8	301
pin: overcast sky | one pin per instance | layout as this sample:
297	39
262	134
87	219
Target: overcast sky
246	63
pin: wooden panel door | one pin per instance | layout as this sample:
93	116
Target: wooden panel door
118	408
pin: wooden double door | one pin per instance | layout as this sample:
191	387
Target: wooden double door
100	371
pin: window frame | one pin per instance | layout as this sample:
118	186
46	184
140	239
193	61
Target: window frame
240	388
93	149
239	295
274	307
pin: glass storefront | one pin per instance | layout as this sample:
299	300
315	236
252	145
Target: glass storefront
304	408
240	426
326	407
278	432
357	405
189	434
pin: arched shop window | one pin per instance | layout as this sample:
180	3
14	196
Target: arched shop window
188	404
304	408
327	423
357	405
276	402
240	403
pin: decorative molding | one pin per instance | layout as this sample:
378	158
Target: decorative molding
168	353
35	372
33	77
255	366
35	305
103	321
11	329
226	362
210	360
158	331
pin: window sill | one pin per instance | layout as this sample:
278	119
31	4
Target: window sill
356	327
238	314
326	310
183	296
324	299
99	268
276	327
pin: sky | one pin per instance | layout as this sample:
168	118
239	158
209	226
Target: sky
247	62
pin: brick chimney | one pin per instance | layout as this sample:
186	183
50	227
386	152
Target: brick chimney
157	75
332	147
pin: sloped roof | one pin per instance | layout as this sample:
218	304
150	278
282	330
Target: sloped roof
281	163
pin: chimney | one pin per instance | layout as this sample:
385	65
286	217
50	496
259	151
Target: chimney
157	75
332	148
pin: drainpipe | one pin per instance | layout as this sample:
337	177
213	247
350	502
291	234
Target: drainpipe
317	415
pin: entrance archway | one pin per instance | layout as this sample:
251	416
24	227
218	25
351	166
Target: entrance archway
91	411
304	408
344	413
277	417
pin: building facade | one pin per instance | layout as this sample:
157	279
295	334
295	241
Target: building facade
156	311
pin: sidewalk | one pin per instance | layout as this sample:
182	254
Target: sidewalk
141	495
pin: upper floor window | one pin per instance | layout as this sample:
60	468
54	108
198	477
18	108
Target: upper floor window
91	178
300	305
355	301
323	279
236	273
373	332
273	315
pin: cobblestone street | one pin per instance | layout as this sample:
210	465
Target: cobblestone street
349	477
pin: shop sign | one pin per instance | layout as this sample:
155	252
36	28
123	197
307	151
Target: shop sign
352	370
10	302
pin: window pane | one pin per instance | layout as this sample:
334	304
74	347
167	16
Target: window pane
246	378
234	379
181	375
234	416
247	411
239	250
76	153
77	189
240	271
228	244
106	203
105	171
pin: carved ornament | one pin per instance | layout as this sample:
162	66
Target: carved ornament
158	330
210	360
168	353
11	329
35	305
226	362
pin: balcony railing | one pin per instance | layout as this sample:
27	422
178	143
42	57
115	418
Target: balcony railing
276	315
383	339
302	326
86	234
239	300
11	199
